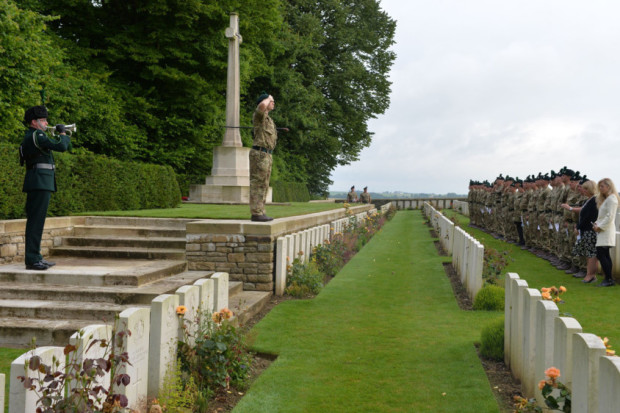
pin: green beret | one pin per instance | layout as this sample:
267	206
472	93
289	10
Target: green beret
263	95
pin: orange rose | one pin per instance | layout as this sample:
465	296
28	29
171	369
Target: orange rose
541	384
546	296
562	289
552	373
181	310
545	290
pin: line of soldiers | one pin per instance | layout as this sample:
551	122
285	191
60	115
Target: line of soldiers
528	213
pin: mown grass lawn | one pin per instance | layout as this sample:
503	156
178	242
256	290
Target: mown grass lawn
212	211
385	335
595	308
7	355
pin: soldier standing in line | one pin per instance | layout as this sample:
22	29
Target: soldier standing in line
365	196
265	138
575	197
543	219
352	196
40	180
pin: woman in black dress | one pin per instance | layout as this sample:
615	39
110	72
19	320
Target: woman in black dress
586	241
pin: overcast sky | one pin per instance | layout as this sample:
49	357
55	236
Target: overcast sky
483	87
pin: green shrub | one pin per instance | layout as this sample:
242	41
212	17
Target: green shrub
89	182
492	340
304	279
490	298
290	192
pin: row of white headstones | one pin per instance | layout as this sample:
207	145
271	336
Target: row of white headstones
537	337
466	251
151	347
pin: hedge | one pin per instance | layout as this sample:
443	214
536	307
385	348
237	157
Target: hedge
88	182
290	192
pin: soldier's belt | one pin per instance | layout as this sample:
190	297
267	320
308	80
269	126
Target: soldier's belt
260	148
42	166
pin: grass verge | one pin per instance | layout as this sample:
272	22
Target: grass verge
7	355
212	211
385	335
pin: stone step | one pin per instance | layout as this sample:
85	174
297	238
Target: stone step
118	231
58	310
121	295
94	272
246	304
128	242
53	322
19	332
168	223
120	252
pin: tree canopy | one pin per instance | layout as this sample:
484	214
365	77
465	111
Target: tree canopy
146	80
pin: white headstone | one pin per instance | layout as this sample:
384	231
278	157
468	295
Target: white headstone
281	254
85	351
565	327
2	386
137	321
516	329
22	400
507	314
587	350
546	312
207	294
163	336
609	383
221	290
531	297
189	296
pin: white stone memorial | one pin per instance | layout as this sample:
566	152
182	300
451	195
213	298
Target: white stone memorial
21	399
609	383
163	336
546	312
2	385
587	350
230	176
137	320
531	297
565	327
86	351
207	294
221	290
189	296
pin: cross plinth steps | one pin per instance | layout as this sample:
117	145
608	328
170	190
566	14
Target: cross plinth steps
105	267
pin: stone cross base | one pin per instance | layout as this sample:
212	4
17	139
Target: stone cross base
229	182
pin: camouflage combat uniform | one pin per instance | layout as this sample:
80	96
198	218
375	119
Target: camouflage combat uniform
265	137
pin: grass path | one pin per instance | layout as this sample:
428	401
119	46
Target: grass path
386	335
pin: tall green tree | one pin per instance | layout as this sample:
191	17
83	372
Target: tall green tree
332	80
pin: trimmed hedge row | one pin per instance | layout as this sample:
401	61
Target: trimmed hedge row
88	182
290	192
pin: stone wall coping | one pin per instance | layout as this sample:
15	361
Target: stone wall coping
19	225
272	229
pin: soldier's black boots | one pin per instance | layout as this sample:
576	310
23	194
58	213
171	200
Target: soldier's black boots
261	218
39	266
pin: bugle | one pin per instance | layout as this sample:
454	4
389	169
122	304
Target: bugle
69	128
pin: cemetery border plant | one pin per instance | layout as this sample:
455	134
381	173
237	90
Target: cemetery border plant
328	258
556	401
494	264
213	354
52	384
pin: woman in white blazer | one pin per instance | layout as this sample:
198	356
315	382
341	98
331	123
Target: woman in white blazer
605	226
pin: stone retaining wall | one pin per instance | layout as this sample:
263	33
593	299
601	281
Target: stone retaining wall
247	250
12	234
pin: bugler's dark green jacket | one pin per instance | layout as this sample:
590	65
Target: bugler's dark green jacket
37	149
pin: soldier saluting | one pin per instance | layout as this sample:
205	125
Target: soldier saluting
40	180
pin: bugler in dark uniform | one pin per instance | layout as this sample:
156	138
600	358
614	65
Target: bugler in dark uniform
40	180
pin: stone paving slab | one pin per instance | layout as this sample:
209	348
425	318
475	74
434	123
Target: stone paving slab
93	271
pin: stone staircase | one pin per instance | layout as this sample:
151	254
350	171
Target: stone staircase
108	265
